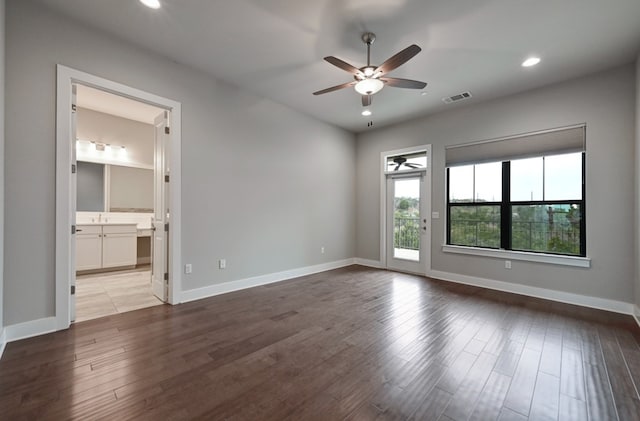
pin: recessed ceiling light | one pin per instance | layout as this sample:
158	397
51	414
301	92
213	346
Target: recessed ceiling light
531	61
423	93
366	112
153	4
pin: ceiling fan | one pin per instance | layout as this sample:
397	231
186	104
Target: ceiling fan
371	79
402	161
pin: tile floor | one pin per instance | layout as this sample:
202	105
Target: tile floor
104	294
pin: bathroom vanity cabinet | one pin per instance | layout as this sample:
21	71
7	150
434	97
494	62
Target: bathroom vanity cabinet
106	246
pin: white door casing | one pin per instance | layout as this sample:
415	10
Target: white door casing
387	259
66	187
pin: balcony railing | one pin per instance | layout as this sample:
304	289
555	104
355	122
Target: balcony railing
527	235
541	236
406	233
472	232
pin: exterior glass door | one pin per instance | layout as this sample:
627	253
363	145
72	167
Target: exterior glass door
406	222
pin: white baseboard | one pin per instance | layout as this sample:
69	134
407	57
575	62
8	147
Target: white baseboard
636	314
3	340
369	263
210	291
547	294
30	329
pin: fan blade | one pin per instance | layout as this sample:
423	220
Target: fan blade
403	83
411	165
344	65
398	60
366	100
397	167
335	88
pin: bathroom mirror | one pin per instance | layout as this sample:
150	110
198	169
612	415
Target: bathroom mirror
113	188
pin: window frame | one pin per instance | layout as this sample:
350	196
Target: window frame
506	215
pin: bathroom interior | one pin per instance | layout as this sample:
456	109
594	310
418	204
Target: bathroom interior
115	155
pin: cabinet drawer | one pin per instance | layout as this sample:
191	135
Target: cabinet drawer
88	229
120	229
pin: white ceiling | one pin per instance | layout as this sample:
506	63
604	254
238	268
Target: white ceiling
104	102
275	48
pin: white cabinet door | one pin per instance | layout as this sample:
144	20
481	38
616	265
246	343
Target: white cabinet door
88	251
119	250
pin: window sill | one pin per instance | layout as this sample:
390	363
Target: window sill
582	262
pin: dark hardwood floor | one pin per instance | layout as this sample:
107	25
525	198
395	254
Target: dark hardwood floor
352	343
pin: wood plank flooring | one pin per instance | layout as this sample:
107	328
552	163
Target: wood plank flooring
353	343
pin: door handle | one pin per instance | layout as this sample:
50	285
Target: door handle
77	230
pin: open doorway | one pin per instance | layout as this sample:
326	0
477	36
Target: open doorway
165	257
115	203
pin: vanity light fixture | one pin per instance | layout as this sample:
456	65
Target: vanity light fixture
98	146
151	4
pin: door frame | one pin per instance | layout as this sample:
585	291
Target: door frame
427	206
66	78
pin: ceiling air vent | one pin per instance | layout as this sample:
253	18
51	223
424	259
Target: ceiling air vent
456	98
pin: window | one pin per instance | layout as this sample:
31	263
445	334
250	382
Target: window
475	195
518	202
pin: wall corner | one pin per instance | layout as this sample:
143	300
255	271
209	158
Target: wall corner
637	194
2	94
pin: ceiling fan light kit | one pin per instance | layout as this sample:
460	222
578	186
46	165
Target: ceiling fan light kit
369	86
369	79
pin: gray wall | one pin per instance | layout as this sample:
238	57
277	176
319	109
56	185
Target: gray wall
2	52
262	185
605	101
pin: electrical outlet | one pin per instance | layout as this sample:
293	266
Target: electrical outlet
507	264
188	268
322	250
222	263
